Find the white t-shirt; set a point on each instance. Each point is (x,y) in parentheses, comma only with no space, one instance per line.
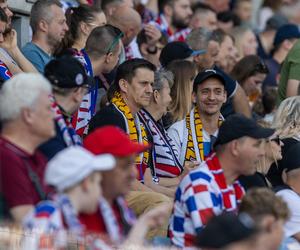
(292,226)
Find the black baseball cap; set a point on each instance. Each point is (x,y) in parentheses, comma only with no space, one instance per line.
(287,31)
(67,72)
(208,73)
(177,51)
(237,126)
(291,158)
(225,229)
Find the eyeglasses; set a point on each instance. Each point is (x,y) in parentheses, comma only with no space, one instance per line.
(118,35)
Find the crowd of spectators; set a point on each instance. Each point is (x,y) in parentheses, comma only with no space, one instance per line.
(151,124)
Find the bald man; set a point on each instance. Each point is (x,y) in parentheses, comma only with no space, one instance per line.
(129,22)
(109,6)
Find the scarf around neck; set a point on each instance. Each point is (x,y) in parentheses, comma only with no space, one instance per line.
(195,140)
(164,154)
(135,129)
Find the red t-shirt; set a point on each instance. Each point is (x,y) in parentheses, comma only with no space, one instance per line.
(95,223)
(15,183)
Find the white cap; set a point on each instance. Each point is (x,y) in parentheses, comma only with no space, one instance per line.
(74,164)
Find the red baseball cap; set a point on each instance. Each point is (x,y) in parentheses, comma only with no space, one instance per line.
(112,140)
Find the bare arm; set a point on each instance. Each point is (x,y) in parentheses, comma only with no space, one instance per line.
(19,212)
(174,182)
(170,192)
(137,186)
(10,45)
(292,88)
(240,102)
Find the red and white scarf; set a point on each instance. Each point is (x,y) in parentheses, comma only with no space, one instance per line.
(111,222)
(179,35)
(227,193)
(164,154)
(65,127)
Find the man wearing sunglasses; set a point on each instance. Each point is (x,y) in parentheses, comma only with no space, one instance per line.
(100,56)
(69,83)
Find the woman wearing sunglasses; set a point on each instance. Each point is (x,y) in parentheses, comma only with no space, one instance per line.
(272,155)
(287,122)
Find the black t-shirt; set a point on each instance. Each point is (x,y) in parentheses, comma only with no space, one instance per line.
(109,115)
(275,171)
(56,144)
(252,181)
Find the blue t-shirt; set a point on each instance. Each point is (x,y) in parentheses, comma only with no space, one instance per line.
(38,57)
(274,70)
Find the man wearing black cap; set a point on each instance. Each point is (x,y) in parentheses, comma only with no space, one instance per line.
(70,83)
(178,51)
(212,188)
(291,190)
(193,135)
(198,51)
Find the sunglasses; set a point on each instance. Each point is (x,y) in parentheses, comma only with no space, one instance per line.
(118,35)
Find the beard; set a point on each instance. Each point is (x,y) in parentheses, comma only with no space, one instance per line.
(179,23)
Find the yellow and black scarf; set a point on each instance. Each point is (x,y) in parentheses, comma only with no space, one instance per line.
(194,149)
(135,130)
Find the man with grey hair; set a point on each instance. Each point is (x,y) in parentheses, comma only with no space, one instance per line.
(48,23)
(164,170)
(200,39)
(27,121)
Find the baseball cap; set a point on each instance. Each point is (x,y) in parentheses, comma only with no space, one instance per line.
(73,164)
(67,72)
(112,140)
(237,126)
(229,228)
(208,73)
(287,31)
(291,158)
(276,21)
(176,51)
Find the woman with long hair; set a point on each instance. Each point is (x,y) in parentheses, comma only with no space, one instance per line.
(81,21)
(181,92)
(250,72)
(287,122)
(245,41)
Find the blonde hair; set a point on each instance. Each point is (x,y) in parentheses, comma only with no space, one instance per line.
(184,72)
(237,34)
(287,118)
(262,167)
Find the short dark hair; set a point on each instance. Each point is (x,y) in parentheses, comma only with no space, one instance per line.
(202,7)
(269,99)
(127,71)
(163,3)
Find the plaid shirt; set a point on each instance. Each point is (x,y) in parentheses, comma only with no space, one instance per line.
(200,195)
